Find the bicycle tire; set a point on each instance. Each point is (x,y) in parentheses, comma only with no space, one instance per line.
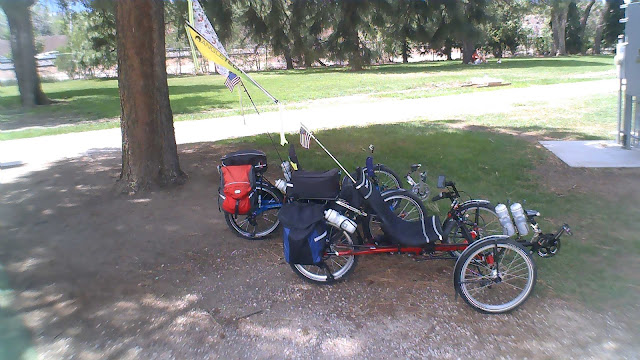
(481,218)
(411,212)
(386,178)
(339,240)
(478,276)
(245,229)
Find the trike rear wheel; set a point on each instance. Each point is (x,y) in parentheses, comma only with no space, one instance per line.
(339,266)
(495,275)
(261,222)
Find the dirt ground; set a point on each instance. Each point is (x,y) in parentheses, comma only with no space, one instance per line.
(161,276)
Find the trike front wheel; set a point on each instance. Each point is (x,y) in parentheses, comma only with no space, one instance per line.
(495,275)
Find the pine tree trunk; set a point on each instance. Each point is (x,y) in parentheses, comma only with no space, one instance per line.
(149,151)
(23,51)
(288,59)
(447,49)
(468,47)
(559,28)
(597,40)
(405,51)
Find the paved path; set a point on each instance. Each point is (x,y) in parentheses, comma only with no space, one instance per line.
(37,153)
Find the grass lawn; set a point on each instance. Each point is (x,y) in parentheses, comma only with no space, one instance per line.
(197,97)
(595,265)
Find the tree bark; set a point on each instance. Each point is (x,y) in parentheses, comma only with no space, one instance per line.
(468,47)
(405,51)
(288,59)
(149,151)
(583,24)
(559,27)
(597,40)
(23,51)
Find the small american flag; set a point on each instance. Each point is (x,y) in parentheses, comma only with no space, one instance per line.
(232,81)
(305,138)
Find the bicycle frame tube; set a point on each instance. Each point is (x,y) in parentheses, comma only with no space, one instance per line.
(400,249)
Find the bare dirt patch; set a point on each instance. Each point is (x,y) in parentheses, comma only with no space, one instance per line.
(160,276)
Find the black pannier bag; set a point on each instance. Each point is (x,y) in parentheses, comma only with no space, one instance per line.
(304,232)
(314,185)
(256,158)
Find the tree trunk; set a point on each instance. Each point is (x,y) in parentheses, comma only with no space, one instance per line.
(597,40)
(583,25)
(559,28)
(288,59)
(468,47)
(149,152)
(23,51)
(447,49)
(405,51)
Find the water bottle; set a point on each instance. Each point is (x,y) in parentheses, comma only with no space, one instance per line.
(340,221)
(505,219)
(281,185)
(286,170)
(519,218)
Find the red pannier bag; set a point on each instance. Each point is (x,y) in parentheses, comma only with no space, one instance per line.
(237,189)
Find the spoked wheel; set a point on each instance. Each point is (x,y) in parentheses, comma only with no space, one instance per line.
(339,266)
(261,222)
(495,276)
(481,220)
(386,178)
(404,204)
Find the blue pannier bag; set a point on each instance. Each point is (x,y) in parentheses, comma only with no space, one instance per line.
(304,233)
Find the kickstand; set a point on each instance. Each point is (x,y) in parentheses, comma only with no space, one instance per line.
(326,269)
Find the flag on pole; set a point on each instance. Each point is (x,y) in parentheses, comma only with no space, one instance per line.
(203,26)
(232,81)
(305,138)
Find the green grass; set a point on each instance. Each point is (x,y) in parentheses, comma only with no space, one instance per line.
(198,97)
(593,267)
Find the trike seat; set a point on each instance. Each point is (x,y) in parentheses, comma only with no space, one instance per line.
(407,233)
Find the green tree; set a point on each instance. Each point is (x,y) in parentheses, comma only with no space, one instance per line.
(92,40)
(504,28)
(573,30)
(352,22)
(408,23)
(4,27)
(308,20)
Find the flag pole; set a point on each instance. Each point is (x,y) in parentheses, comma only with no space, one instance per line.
(226,58)
(196,63)
(327,151)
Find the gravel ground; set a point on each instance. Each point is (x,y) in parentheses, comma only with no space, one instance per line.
(162,277)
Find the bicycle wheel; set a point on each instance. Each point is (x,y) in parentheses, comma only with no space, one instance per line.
(404,204)
(339,266)
(495,276)
(386,178)
(263,220)
(480,219)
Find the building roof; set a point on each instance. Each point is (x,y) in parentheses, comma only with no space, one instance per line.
(50,43)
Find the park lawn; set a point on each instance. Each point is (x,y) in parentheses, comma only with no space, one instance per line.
(594,266)
(198,97)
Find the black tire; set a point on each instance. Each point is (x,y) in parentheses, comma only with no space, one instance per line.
(495,275)
(260,223)
(480,218)
(340,266)
(386,178)
(405,204)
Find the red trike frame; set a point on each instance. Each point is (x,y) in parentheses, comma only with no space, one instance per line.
(373,249)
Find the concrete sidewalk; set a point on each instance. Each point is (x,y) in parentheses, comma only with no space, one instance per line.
(37,153)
